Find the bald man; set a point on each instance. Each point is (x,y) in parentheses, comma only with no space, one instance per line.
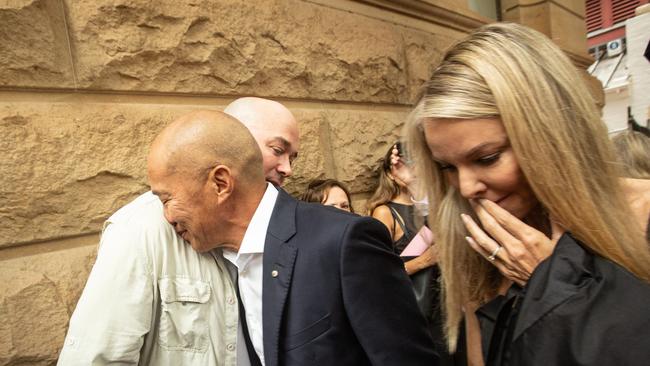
(152,239)
(307,274)
(152,299)
(276,131)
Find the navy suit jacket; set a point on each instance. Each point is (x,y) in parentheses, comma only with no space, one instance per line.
(334,293)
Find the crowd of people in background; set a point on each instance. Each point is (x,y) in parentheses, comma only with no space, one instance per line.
(533,247)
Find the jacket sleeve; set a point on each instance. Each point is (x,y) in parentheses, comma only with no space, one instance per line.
(114,312)
(379,299)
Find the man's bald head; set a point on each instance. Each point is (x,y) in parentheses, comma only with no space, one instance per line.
(202,139)
(276,131)
(207,170)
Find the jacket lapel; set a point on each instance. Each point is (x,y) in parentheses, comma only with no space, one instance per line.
(555,280)
(279,259)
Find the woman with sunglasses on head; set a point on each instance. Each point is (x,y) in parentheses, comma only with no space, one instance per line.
(530,216)
(392,204)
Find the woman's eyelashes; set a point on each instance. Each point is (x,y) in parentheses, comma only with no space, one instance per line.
(484,161)
(489,159)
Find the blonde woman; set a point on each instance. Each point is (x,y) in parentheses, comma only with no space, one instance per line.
(524,190)
(633,150)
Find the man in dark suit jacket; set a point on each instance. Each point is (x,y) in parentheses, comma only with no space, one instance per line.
(340,297)
(329,290)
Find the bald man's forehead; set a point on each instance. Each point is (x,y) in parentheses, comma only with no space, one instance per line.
(259,113)
(271,121)
(287,134)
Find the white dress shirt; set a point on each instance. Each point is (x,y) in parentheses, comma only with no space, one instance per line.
(249,263)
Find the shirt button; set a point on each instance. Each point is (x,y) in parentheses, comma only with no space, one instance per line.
(274,273)
(230,347)
(231,300)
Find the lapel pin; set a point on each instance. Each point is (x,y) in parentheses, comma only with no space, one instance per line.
(274,273)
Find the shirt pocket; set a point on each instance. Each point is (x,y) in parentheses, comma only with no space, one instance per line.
(184,314)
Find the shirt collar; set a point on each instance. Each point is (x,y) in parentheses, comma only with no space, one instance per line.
(255,235)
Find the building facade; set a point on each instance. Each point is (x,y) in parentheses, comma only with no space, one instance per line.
(86,85)
(618,34)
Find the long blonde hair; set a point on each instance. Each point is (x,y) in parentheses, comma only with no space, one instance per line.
(516,74)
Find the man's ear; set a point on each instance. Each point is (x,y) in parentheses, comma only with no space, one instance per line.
(221,182)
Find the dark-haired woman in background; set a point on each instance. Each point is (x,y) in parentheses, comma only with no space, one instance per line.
(329,192)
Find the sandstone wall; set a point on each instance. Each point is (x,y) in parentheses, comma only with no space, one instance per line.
(86,84)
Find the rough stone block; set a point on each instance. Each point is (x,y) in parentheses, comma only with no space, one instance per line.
(72,164)
(269,48)
(423,53)
(37,296)
(70,173)
(359,141)
(344,144)
(34,50)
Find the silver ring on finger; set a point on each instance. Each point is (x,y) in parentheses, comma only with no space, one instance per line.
(493,256)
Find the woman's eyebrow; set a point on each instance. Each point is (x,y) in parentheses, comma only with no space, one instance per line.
(476,150)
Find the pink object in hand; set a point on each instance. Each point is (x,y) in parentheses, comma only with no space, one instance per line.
(422,240)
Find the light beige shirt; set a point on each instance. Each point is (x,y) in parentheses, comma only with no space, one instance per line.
(151,299)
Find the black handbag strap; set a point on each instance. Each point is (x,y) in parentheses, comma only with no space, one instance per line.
(397,218)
